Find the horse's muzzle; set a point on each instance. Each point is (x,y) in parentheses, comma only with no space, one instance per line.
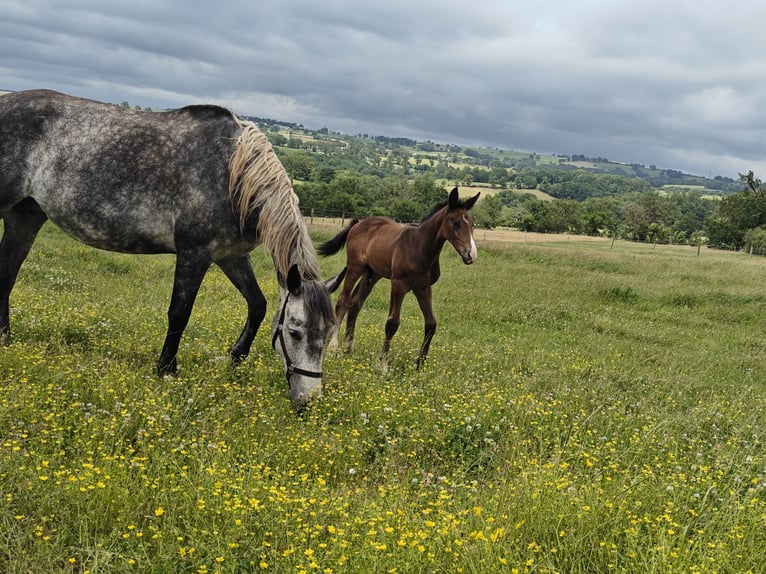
(471,254)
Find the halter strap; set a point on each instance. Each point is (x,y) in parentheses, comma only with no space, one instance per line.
(290,368)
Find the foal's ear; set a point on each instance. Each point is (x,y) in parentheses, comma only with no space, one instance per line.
(294,281)
(333,283)
(468,204)
(454,199)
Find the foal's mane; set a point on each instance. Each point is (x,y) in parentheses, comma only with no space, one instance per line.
(438,207)
(434,210)
(259,182)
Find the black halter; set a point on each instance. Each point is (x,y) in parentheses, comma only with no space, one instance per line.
(290,369)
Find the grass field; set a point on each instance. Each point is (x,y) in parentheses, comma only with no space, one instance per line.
(585,408)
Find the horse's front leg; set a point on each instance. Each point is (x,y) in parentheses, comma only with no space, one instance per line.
(21,225)
(239,270)
(398,291)
(424,301)
(190,270)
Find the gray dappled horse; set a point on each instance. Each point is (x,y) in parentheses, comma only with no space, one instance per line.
(198,182)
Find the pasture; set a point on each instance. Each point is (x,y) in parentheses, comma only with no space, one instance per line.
(584,408)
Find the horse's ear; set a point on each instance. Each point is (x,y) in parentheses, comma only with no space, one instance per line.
(470,202)
(294,281)
(334,283)
(454,199)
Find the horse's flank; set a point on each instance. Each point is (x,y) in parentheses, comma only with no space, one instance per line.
(258,183)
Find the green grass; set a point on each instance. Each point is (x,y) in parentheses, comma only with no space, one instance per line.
(584,409)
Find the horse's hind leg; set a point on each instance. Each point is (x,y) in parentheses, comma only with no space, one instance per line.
(190,270)
(21,225)
(341,306)
(398,291)
(240,272)
(358,297)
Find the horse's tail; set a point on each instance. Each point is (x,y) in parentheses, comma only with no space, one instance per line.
(336,243)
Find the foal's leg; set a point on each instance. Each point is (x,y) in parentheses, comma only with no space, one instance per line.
(190,270)
(424,301)
(21,225)
(341,307)
(398,291)
(240,273)
(358,297)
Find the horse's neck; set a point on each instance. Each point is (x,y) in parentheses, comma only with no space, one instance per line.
(430,238)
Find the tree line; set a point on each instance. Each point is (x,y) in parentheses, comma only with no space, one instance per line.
(354,177)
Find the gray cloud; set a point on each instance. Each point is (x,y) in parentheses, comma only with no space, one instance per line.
(674,83)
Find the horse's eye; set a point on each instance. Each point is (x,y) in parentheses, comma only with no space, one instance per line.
(456,223)
(296,335)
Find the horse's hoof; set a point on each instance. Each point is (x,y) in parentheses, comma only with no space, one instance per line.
(169,372)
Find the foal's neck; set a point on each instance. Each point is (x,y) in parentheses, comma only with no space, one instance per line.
(429,232)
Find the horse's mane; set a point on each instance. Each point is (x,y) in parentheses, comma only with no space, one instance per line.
(434,210)
(259,182)
(438,207)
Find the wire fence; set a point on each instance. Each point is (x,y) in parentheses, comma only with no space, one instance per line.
(339,219)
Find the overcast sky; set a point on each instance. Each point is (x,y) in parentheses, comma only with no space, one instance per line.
(678,84)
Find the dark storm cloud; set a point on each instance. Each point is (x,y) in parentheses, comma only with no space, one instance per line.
(676,84)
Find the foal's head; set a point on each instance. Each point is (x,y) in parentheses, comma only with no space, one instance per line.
(457,226)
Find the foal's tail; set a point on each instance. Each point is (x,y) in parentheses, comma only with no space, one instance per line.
(336,243)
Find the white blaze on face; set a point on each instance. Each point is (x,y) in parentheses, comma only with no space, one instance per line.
(301,352)
(474,251)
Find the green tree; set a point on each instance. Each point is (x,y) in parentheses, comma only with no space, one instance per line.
(426,192)
(599,216)
(404,210)
(486,212)
(738,213)
(300,165)
(755,239)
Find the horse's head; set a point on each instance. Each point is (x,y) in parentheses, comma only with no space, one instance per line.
(457,226)
(300,329)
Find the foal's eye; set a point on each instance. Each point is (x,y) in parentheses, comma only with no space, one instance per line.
(456,223)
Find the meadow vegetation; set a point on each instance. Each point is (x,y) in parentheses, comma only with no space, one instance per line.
(586,407)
